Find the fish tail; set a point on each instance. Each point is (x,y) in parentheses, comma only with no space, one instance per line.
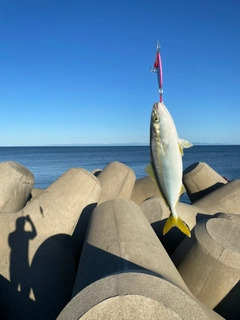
(176,222)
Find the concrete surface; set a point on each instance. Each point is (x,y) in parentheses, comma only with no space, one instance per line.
(209,263)
(39,244)
(121,270)
(16,183)
(120,238)
(199,180)
(225,199)
(117,181)
(35,193)
(136,296)
(157,212)
(235,218)
(144,188)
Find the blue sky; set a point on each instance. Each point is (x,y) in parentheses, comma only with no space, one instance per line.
(78,71)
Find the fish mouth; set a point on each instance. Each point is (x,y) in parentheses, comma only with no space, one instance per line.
(156,109)
(158,106)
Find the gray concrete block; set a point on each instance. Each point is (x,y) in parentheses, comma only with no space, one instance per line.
(16,183)
(120,238)
(96,172)
(35,193)
(225,199)
(39,244)
(199,180)
(209,263)
(155,209)
(117,181)
(157,212)
(144,188)
(133,295)
(235,218)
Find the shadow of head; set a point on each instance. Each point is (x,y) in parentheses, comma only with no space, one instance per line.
(20,223)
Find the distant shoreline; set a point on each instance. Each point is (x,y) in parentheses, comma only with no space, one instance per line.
(115,145)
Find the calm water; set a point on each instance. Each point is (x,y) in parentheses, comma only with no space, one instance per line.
(49,163)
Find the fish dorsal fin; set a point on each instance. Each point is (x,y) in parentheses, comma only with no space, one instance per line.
(183,144)
(149,170)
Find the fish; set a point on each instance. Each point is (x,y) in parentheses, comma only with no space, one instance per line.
(165,166)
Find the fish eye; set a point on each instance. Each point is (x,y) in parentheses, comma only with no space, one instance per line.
(156,119)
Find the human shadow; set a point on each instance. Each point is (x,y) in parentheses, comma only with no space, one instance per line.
(53,274)
(19,269)
(13,305)
(40,289)
(54,267)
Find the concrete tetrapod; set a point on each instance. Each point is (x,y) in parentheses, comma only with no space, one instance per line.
(119,240)
(209,263)
(157,212)
(16,183)
(39,245)
(135,296)
(35,192)
(117,181)
(199,180)
(225,199)
(235,218)
(144,188)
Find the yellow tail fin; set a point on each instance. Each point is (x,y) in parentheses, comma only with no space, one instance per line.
(176,222)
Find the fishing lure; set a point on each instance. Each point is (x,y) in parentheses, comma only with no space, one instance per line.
(157,68)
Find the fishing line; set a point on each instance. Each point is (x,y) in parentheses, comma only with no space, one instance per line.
(157,19)
(158,60)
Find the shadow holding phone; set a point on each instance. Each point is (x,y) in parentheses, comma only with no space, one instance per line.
(18,241)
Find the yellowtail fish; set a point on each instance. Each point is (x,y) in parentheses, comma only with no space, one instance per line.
(166,167)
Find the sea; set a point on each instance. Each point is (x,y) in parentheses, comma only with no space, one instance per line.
(49,163)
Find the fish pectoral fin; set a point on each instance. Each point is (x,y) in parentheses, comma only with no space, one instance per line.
(182,190)
(149,170)
(183,144)
(181,149)
(176,222)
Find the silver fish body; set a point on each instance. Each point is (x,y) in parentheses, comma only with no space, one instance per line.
(166,162)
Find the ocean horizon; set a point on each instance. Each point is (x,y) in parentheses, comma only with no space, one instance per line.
(48,163)
(115,144)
